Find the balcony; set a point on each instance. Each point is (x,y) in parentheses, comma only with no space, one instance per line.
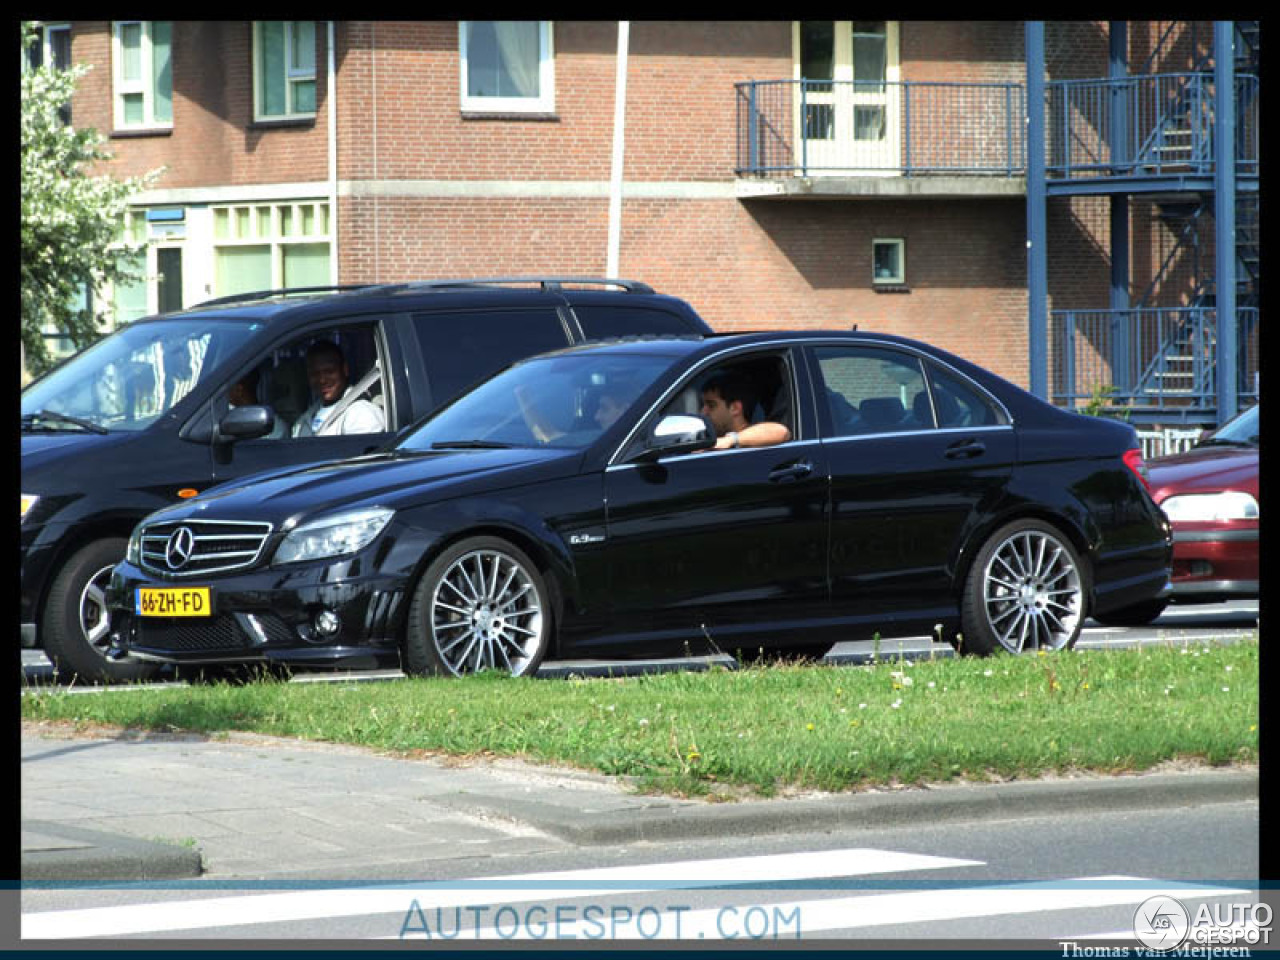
(1143,133)
(1156,364)
(970,135)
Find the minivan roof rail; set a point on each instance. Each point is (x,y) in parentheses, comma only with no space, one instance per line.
(551,283)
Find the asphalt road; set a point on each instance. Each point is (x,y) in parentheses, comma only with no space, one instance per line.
(1219,621)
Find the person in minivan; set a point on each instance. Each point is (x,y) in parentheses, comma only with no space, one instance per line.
(244,392)
(333,412)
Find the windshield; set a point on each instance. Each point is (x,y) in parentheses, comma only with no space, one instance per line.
(1243,429)
(133,377)
(562,401)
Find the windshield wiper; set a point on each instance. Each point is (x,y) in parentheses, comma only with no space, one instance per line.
(470,445)
(52,416)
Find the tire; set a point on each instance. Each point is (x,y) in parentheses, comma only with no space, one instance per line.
(1138,615)
(1027,590)
(805,653)
(482,604)
(76,626)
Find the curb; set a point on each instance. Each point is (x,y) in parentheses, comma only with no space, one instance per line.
(898,808)
(61,852)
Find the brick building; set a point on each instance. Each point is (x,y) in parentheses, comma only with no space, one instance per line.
(795,174)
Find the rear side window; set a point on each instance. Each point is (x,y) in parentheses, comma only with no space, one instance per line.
(460,349)
(958,403)
(624,320)
(869,390)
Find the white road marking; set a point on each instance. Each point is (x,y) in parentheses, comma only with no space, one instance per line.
(519,888)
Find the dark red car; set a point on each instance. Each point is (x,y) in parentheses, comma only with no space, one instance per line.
(1210,495)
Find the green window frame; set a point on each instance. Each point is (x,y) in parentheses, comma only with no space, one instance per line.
(284,69)
(142,74)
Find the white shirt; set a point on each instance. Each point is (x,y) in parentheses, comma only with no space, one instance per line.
(360,417)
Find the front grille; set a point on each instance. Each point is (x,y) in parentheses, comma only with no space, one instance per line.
(207,546)
(217,635)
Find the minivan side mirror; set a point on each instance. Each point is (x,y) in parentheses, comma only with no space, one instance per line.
(246,423)
(678,433)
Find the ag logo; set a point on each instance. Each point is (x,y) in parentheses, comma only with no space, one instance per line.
(178,550)
(1161,923)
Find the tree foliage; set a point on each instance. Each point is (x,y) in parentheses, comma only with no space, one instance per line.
(72,220)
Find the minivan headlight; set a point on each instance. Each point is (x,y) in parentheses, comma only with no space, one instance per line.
(333,535)
(1204,507)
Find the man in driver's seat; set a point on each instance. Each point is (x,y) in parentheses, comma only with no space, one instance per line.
(329,376)
(727,398)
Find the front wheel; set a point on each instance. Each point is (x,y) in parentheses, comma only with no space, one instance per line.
(76,625)
(1026,590)
(480,605)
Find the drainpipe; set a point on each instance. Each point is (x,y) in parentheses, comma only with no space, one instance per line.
(619,128)
(332,106)
(1224,214)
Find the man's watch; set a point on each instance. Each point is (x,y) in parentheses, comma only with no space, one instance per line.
(732,437)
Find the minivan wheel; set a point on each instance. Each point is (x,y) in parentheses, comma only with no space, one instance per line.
(76,625)
(1026,590)
(480,605)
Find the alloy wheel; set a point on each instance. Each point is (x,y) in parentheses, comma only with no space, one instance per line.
(486,614)
(1033,593)
(95,618)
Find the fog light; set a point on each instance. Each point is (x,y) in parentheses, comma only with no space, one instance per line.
(327,623)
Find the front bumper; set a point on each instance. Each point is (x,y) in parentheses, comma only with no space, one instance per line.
(268,615)
(1212,564)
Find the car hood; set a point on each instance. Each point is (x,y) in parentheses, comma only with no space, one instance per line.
(41,451)
(1205,470)
(395,479)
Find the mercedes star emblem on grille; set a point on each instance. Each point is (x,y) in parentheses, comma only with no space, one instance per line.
(178,550)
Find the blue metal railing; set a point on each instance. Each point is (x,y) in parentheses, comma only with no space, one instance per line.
(1171,360)
(1168,126)
(802,127)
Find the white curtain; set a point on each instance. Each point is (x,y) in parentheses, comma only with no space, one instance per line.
(518,45)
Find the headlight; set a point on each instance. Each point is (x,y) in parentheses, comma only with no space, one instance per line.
(29,500)
(334,535)
(133,552)
(1201,507)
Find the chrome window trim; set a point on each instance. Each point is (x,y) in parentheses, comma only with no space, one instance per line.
(709,453)
(927,431)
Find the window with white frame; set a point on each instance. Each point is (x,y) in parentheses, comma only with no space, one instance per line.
(52,48)
(269,246)
(284,69)
(507,66)
(142,58)
(888,261)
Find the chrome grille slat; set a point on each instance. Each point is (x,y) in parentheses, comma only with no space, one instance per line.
(218,546)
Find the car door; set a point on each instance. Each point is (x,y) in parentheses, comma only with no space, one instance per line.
(722,547)
(283,385)
(918,453)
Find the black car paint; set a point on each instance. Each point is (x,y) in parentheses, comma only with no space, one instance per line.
(93,486)
(701,552)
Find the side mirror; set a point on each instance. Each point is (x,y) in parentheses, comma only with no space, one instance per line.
(679,433)
(246,423)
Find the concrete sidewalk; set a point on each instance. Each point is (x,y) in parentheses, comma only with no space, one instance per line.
(159,807)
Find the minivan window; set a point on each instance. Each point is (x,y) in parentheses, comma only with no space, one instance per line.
(135,376)
(460,349)
(603,323)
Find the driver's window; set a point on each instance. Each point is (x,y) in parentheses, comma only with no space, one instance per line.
(324,384)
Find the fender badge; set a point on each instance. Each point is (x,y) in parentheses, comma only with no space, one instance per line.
(578,539)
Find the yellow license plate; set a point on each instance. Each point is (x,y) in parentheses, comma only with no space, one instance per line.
(174,602)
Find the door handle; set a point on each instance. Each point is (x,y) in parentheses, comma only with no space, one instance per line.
(965,450)
(790,472)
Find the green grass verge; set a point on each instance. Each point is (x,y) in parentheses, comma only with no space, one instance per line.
(763,730)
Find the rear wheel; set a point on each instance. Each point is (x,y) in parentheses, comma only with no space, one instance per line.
(76,625)
(1025,591)
(481,605)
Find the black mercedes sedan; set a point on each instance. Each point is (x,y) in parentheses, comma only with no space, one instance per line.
(765,494)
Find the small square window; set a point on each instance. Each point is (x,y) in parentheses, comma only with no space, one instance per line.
(888,261)
(507,66)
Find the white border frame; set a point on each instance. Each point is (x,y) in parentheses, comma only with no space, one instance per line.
(545,102)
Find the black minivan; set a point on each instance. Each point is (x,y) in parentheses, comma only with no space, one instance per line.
(169,406)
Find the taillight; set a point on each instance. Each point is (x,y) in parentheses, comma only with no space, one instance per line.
(1133,460)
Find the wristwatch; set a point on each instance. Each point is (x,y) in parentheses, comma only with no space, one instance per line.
(732,437)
